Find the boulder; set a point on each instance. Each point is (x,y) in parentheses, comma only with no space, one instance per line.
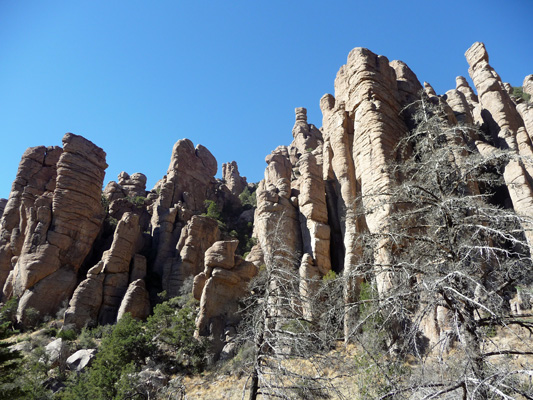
(56,353)
(80,359)
(221,254)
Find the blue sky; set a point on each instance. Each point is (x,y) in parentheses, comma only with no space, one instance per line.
(136,76)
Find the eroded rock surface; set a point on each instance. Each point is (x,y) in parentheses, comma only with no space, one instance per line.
(99,296)
(506,128)
(52,219)
(320,196)
(3,203)
(224,280)
(183,191)
(136,301)
(234,181)
(196,237)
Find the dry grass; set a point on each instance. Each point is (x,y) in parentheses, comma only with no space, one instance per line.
(353,374)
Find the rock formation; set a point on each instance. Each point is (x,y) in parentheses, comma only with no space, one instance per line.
(136,301)
(337,180)
(233,180)
(51,221)
(128,186)
(100,295)
(506,128)
(223,281)
(116,266)
(196,237)
(80,359)
(86,301)
(183,191)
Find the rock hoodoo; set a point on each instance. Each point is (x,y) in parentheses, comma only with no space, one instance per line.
(223,281)
(51,221)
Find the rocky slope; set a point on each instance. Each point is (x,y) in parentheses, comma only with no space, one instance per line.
(106,253)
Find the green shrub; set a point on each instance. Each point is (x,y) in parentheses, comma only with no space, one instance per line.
(138,201)
(248,198)
(331,275)
(518,92)
(174,328)
(32,317)
(120,354)
(86,339)
(8,315)
(67,334)
(211,210)
(10,368)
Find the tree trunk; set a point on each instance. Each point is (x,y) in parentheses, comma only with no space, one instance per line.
(255,385)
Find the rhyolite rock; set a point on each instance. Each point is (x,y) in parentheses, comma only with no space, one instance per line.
(507,130)
(224,280)
(136,301)
(183,191)
(133,186)
(99,297)
(86,301)
(196,237)
(116,266)
(56,353)
(233,180)
(35,181)
(51,221)
(320,196)
(527,85)
(80,359)
(3,203)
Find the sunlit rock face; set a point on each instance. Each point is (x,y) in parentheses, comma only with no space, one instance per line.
(232,178)
(219,286)
(51,221)
(506,127)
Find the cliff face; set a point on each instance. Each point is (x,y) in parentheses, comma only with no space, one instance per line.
(319,195)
